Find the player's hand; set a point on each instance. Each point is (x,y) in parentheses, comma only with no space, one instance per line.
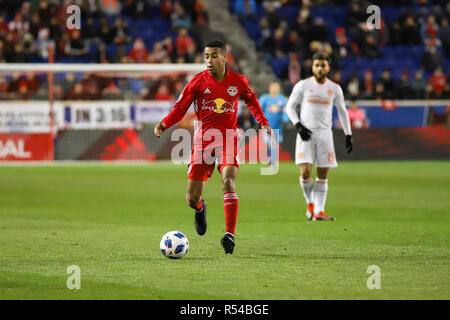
(159,128)
(348,143)
(303,131)
(269,131)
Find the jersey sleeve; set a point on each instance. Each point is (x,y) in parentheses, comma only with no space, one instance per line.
(294,99)
(339,102)
(182,105)
(251,101)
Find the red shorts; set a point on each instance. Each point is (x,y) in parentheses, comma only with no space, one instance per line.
(201,169)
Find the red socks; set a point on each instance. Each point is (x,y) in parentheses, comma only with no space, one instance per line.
(198,207)
(230,206)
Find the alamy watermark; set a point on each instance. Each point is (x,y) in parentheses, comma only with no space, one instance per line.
(214,146)
(74,280)
(374,20)
(374,280)
(73,21)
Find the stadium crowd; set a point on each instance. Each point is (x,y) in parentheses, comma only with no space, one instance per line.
(284,28)
(169,31)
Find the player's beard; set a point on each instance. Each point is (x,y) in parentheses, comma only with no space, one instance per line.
(320,77)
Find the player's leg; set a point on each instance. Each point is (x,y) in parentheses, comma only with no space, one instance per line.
(325,160)
(304,152)
(195,201)
(230,205)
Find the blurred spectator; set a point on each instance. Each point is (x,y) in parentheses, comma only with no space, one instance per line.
(306,69)
(368,85)
(42,43)
(318,31)
(371,49)
(301,26)
(438,80)
(352,87)
(410,33)
(90,29)
(294,43)
(273,18)
(418,86)
(430,31)
(44,13)
(120,32)
(231,61)
(138,9)
(77,44)
(293,71)
(111,92)
(104,31)
(444,35)
(431,58)
(341,42)
(101,55)
(182,42)
(245,8)
(277,44)
(395,33)
(389,85)
(357,116)
(404,87)
(139,52)
(200,14)
(379,91)
(158,52)
(246,120)
(266,32)
(110,7)
(18,25)
(163,93)
(430,93)
(179,17)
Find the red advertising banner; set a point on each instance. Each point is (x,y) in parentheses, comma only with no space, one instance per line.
(25,146)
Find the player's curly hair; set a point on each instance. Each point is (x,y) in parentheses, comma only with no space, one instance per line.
(322,56)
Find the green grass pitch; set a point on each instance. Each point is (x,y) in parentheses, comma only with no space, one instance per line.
(108,220)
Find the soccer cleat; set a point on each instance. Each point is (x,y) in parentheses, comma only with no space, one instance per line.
(321,216)
(227,243)
(310,211)
(200,219)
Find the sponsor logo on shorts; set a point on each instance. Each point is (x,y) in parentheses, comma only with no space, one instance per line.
(331,157)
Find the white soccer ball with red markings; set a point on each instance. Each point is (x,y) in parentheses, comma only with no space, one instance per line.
(174,245)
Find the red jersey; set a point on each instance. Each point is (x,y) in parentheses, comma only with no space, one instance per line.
(215,103)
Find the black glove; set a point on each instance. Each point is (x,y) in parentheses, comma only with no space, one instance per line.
(303,131)
(348,143)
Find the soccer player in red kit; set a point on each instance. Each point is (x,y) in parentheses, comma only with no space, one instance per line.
(215,93)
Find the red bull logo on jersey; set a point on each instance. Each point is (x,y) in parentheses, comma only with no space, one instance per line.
(218,105)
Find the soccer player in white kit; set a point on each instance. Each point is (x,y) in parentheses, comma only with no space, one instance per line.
(316,96)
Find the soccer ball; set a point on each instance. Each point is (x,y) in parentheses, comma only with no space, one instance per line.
(174,245)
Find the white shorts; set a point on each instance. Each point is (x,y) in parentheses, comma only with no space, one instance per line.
(318,150)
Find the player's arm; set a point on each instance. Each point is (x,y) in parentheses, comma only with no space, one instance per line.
(253,105)
(339,102)
(294,99)
(179,110)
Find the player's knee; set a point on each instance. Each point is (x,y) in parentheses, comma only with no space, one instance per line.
(228,185)
(192,200)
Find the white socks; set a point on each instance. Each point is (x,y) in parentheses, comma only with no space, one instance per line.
(307,187)
(320,195)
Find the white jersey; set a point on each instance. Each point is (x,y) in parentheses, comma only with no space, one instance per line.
(316,105)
